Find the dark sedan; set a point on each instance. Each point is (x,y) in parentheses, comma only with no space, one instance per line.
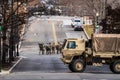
(78,28)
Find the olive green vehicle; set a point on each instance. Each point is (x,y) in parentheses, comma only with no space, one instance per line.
(99,50)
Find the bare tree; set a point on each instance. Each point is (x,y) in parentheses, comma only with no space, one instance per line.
(86,7)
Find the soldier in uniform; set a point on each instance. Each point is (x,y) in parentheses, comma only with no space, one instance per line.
(41,48)
(58,48)
(53,48)
(48,50)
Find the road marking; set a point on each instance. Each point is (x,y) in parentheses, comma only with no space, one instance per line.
(54,34)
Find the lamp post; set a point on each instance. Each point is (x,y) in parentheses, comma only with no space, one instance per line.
(97,15)
(97,26)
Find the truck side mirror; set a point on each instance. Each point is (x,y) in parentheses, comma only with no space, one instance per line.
(76,45)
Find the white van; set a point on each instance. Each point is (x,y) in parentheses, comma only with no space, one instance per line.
(76,22)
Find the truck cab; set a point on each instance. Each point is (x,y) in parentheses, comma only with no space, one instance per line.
(72,47)
(72,50)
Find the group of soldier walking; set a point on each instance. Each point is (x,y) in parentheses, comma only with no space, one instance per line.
(49,48)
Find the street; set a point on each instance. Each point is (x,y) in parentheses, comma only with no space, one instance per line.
(40,31)
(49,67)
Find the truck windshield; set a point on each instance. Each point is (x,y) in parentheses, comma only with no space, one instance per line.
(64,43)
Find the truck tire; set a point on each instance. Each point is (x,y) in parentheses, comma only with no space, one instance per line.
(70,67)
(78,65)
(116,67)
(111,67)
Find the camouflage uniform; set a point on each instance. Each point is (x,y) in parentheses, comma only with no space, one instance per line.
(53,48)
(48,49)
(60,48)
(57,48)
(41,48)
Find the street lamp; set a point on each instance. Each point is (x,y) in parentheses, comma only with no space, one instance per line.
(97,15)
(97,26)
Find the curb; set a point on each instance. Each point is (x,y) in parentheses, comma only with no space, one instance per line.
(86,34)
(10,70)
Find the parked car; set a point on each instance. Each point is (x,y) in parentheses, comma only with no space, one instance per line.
(78,28)
(75,22)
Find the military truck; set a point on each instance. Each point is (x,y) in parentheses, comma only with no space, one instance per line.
(99,50)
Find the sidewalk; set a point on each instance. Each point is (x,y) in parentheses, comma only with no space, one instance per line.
(86,34)
(8,68)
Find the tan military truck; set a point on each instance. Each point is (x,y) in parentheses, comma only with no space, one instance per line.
(99,50)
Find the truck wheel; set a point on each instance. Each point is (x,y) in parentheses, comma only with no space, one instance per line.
(78,65)
(116,67)
(111,67)
(70,67)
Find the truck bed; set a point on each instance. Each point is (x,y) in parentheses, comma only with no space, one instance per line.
(106,43)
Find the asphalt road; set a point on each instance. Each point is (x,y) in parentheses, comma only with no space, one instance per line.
(49,67)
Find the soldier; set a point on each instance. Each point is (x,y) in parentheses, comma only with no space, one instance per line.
(53,48)
(41,48)
(58,48)
(48,50)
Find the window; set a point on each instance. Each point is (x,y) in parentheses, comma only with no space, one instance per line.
(77,20)
(71,44)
